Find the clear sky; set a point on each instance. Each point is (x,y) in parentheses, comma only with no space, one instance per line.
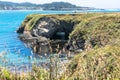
(87,3)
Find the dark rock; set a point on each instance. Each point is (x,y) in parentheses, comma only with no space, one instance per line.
(75,44)
(50,34)
(20,30)
(45,27)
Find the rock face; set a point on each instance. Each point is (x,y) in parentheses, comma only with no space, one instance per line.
(48,33)
(45,27)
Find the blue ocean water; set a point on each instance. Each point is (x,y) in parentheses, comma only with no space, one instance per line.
(9,42)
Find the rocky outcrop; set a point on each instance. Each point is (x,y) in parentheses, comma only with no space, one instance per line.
(47,33)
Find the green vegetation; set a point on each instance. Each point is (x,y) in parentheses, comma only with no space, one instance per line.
(37,73)
(32,19)
(99,30)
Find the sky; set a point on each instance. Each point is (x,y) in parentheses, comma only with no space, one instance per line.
(86,3)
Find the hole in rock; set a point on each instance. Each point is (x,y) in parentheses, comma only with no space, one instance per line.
(62,33)
(60,36)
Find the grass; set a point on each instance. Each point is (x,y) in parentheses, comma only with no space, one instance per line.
(36,74)
(99,30)
(96,64)
(51,72)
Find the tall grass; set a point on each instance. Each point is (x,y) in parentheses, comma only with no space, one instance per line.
(52,69)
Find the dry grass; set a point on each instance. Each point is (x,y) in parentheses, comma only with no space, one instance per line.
(96,64)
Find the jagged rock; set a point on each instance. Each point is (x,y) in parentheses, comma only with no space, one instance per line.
(44,31)
(75,44)
(45,27)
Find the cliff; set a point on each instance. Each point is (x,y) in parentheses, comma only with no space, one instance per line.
(79,31)
(47,31)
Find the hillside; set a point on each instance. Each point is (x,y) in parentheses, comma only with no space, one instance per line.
(101,63)
(63,6)
(17,6)
(30,6)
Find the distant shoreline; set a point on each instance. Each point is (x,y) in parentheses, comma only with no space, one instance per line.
(70,11)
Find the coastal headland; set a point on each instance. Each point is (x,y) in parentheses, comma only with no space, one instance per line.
(71,32)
